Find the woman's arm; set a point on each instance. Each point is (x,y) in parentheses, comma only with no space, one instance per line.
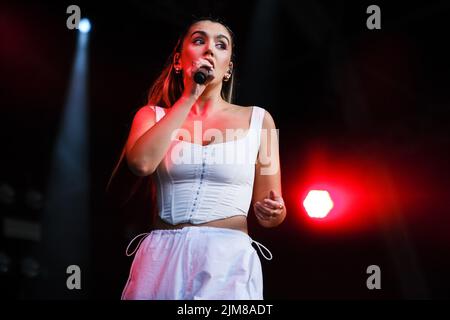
(149,140)
(267,200)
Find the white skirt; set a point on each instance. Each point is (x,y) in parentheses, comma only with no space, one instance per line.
(195,263)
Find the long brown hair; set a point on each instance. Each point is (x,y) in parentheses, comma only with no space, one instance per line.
(168,88)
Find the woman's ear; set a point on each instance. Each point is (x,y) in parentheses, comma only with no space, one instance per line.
(176,60)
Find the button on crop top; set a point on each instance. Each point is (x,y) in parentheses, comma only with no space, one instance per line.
(196,184)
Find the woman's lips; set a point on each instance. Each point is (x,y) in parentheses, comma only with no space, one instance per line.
(210,61)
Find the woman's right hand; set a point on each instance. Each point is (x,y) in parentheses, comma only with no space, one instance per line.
(191,88)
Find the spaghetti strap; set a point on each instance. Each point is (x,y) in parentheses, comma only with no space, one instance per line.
(160,112)
(260,247)
(143,235)
(256,123)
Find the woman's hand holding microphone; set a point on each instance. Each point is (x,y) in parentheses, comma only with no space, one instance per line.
(197,77)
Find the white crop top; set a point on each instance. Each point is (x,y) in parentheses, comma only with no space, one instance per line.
(197,184)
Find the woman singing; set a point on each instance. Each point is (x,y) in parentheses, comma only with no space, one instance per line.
(210,160)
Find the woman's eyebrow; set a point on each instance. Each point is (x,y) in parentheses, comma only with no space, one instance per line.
(219,36)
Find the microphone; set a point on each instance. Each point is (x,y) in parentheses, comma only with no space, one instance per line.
(201,75)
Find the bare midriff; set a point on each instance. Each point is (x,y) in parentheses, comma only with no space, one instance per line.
(234,222)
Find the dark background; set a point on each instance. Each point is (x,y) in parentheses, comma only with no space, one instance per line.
(364,109)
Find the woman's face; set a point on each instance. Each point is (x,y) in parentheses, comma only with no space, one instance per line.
(211,41)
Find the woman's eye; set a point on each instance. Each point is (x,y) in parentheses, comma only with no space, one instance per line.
(200,41)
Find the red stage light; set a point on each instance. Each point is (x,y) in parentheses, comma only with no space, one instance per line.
(318,203)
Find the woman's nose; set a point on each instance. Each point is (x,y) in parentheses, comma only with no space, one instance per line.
(209,48)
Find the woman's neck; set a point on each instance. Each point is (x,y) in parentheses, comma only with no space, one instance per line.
(209,102)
